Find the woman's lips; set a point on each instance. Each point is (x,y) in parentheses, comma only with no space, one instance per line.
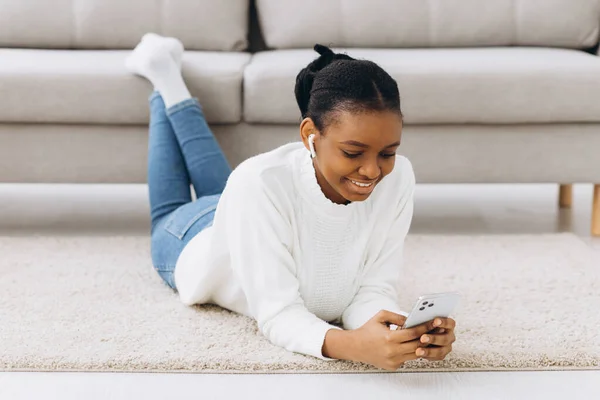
(360,189)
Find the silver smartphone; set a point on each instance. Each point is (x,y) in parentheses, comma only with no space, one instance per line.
(429,306)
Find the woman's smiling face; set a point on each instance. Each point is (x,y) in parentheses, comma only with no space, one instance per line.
(359,147)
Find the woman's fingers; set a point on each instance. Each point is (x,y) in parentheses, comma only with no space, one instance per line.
(446,323)
(409,347)
(405,335)
(441,339)
(385,316)
(434,353)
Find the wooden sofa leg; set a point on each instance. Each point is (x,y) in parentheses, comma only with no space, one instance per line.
(565,196)
(596,211)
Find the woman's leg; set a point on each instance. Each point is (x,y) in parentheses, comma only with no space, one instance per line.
(168,189)
(168,179)
(206,164)
(175,218)
(156,59)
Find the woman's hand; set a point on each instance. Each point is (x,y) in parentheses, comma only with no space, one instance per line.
(438,343)
(388,349)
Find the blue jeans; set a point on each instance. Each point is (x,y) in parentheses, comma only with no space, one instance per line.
(181,150)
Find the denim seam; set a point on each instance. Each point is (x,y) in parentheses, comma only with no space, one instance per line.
(166,280)
(160,268)
(189,224)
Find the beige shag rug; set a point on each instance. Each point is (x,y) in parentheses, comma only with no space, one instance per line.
(96,304)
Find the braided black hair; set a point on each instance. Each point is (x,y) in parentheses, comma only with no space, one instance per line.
(337,82)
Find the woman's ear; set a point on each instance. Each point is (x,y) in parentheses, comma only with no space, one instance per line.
(307,127)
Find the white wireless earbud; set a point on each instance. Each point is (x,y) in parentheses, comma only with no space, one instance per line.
(311,144)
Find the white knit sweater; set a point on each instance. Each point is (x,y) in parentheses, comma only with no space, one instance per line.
(282,253)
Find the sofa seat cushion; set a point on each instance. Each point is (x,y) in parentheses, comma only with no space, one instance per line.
(448,86)
(93,87)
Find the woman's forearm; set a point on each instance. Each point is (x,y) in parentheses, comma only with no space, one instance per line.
(340,344)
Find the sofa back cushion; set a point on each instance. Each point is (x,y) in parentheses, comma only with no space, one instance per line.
(431,23)
(119,24)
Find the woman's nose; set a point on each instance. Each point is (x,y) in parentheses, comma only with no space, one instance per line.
(370,171)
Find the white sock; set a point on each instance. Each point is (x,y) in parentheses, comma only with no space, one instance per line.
(158,59)
(173,44)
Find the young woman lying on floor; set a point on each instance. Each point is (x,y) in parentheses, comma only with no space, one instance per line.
(302,237)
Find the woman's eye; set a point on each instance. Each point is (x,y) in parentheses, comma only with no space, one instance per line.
(351,155)
(354,155)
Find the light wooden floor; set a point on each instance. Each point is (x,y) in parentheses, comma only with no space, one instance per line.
(448,209)
(423,386)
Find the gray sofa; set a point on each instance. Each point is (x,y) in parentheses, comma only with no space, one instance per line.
(503,91)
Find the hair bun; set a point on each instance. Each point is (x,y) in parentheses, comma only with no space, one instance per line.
(323,50)
(327,56)
(306,77)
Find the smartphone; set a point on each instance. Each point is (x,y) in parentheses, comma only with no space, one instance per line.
(429,306)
